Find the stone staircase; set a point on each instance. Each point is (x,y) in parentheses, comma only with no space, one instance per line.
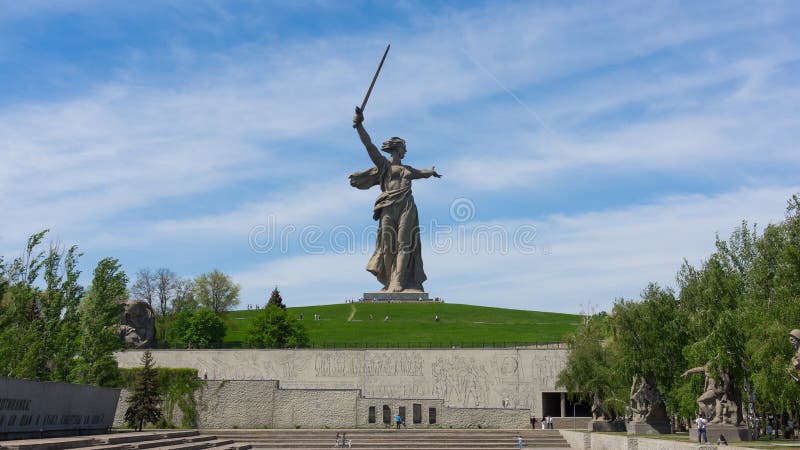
(172,440)
(392,439)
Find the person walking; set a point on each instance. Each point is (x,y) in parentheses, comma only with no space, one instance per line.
(701,429)
(398,419)
(519,440)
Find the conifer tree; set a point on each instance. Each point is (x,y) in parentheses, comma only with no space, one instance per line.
(144,403)
(275,299)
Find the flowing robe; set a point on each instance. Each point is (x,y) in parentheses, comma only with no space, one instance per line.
(398,254)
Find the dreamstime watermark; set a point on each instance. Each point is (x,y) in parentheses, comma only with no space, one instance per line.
(460,235)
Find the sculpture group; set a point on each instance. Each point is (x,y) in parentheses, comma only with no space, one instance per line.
(720,402)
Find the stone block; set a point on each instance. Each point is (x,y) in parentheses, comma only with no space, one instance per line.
(606,426)
(639,428)
(731,433)
(31,408)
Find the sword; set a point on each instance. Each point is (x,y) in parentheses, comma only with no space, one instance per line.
(371,85)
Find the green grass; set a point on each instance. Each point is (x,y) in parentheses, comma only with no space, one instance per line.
(412,324)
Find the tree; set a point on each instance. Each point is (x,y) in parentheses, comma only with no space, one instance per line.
(588,373)
(144,288)
(39,297)
(22,331)
(99,322)
(202,328)
(165,289)
(184,295)
(275,299)
(273,328)
(217,291)
(649,337)
(60,310)
(144,402)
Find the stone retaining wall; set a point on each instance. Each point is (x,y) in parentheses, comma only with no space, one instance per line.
(487,418)
(463,378)
(264,404)
(606,441)
(315,408)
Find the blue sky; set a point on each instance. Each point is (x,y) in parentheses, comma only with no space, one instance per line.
(620,137)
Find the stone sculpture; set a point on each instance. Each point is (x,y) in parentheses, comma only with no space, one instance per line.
(646,402)
(794,338)
(604,419)
(598,410)
(397,260)
(138,325)
(720,402)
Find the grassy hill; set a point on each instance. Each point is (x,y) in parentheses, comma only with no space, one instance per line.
(413,325)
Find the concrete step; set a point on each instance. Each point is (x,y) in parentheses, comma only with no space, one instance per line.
(407,446)
(114,441)
(199,445)
(50,443)
(165,442)
(553,447)
(364,439)
(109,447)
(444,434)
(136,436)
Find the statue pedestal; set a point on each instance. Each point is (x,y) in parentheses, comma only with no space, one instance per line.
(396,297)
(606,425)
(648,427)
(731,433)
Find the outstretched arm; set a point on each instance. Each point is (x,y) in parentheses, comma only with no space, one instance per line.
(424,173)
(372,150)
(700,369)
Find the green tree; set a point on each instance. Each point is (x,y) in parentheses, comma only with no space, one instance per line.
(59,311)
(588,374)
(649,338)
(99,321)
(273,328)
(217,291)
(144,402)
(39,296)
(275,299)
(178,325)
(203,328)
(21,326)
(184,295)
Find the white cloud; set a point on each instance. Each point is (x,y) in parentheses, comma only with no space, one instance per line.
(581,258)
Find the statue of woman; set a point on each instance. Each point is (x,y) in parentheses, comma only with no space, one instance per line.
(397,260)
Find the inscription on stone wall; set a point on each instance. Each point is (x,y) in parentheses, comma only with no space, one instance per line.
(375,365)
(27,405)
(15,404)
(398,391)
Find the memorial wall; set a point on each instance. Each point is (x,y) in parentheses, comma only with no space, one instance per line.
(463,378)
(33,408)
